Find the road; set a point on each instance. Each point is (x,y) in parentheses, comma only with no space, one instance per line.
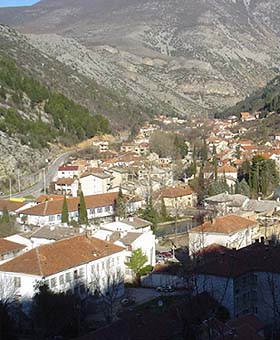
(36,189)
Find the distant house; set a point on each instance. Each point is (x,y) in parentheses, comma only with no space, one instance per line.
(76,264)
(68,171)
(232,231)
(67,186)
(103,146)
(9,250)
(95,183)
(11,206)
(224,204)
(177,197)
(101,207)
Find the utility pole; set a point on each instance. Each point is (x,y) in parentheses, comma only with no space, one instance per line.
(10,182)
(44,180)
(18,180)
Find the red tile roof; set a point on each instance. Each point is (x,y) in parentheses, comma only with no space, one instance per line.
(61,255)
(7,246)
(254,258)
(10,205)
(68,168)
(178,191)
(225,225)
(67,181)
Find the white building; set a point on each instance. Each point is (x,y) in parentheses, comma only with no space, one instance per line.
(78,264)
(245,281)
(231,231)
(9,250)
(132,237)
(68,171)
(67,186)
(101,207)
(95,183)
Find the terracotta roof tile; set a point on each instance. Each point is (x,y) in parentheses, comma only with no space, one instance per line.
(61,255)
(67,181)
(178,191)
(10,205)
(225,225)
(7,246)
(68,168)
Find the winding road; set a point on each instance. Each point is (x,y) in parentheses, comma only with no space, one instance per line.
(51,170)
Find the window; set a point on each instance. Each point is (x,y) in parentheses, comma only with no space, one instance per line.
(103,265)
(61,279)
(47,283)
(99,210)
(97,267)
(17,282)
(81,272)
(91,211)
(68,277)
(51,218)
(53,282)
(107,209)
(75,274)
(58,217)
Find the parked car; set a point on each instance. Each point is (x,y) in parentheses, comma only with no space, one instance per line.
(165,289)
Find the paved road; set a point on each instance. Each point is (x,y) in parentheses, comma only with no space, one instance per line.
(36,189)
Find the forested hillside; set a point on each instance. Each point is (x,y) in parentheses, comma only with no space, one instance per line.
(266,99)
(38,115)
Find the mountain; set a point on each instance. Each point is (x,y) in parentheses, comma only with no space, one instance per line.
(181,56)
(266,99)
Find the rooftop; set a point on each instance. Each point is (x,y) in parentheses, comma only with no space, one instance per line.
(9,246)
(61,255)
(224,225)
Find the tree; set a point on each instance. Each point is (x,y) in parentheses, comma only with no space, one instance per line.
(137,262)
(120,205)
(55,314)
(65,214)
(150,214)
(5,218)
(163,210)
(82,210)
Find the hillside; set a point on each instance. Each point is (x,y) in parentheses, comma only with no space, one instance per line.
(35,119)
(266,99)
(182,56)
(67,80)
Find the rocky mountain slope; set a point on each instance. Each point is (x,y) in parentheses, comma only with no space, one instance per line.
(183,56)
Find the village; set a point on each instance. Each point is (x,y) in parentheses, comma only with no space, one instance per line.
(186,208)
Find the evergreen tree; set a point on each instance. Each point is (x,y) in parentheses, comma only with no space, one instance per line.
(82,210)
(120,206)
(5,216)
(65,213)
(163,210)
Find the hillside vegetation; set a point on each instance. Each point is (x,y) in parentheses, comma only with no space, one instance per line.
(266,99)
(38,115)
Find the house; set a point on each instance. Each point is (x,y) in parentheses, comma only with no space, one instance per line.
(177,197)
(229,173)
(11,206)
(78,264)
(100,207)
(52,233)
(245,281)
(68,171)
(95,183)
(102,146)
(9,250)
(232,231)
(224,203)
(129,238)
(67,186)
